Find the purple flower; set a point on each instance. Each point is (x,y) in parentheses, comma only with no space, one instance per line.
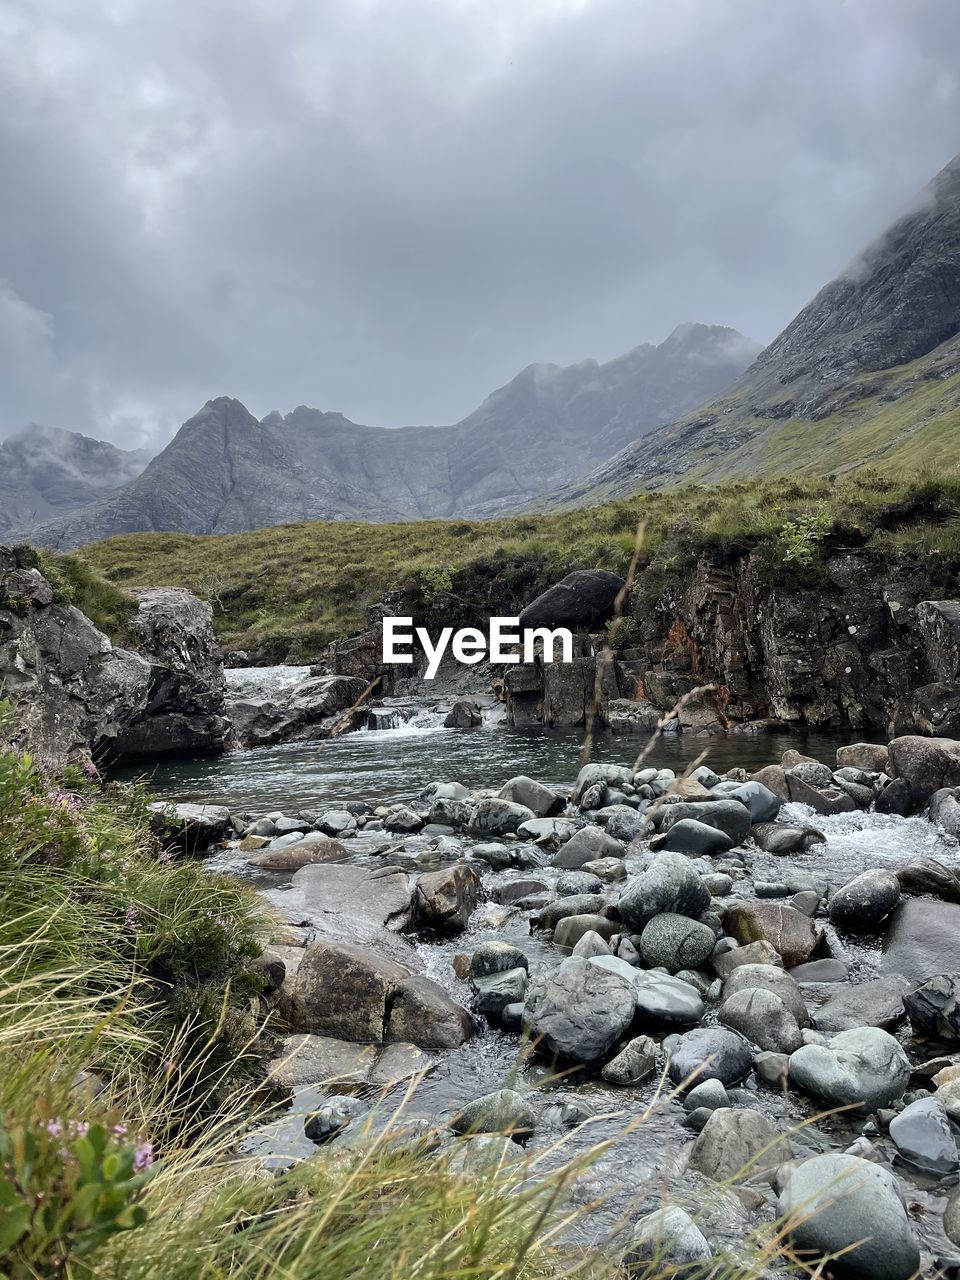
(143,1158)
(90,770)
(131,919)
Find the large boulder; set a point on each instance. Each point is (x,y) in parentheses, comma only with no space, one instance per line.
(496,817)
(923,939)
(877,1003)
(738,1146)
(728,815)
(579,1010)
(842,1205)
(420,1012)
(190,828)
(865,1068)
(669,883)
(792,934)
(945,810)
(862,903)
(446,899)
(923,1137)
(587,845)
(763,1018)
(926,764)
(582,601)
(343,991)
(533,795)
(307,709)
(675,942)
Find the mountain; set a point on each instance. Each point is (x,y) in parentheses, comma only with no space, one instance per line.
(45,471)
(867,373)
(225,472)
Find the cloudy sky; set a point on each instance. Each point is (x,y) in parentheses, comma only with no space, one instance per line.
(388,207)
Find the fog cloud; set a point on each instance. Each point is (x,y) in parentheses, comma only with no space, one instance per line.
(388,207)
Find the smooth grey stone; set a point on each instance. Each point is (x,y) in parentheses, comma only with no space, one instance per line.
(924,1138)
(878,1003)
(710,1053)
(668,1237)
(865,1067)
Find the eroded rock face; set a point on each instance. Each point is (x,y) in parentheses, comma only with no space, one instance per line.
(77,694)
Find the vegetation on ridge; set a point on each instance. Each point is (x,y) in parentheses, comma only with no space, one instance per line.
(284,592)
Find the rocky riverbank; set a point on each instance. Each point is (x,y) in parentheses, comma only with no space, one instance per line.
(685,947)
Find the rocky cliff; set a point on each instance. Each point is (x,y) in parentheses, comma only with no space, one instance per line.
(76,694)
(225,472)
(868,372)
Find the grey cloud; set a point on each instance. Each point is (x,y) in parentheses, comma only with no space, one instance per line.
(389,207)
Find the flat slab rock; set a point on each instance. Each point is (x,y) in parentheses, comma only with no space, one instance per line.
(341,902)
(923,939)
(878,1003)
(311,1060)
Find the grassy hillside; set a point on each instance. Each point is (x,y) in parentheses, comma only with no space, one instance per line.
(285,592)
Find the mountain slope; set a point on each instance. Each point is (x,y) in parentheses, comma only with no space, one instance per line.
(45,471)
(868,372)
(225,472)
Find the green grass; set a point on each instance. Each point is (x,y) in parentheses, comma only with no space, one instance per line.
(285,592)
(76,581)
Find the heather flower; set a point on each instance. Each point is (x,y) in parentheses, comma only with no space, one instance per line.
(131,918)
(143,1157)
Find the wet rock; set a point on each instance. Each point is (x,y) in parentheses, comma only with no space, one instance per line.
(592,774)
(574,882)
(719,884)
(668,884)
(895,797)
(310,1059)
(864,755)
(820,971)
(866,1067)
(945,810)
(609,870)
(738,1146)
(773,1069)
(624,823)
(922,940)
(447,811)
(495,817)
(577,904)
(495,956)
(710,1053)
(190,828)
(791,934)
(927,764)
(333,1117)
(582,601)
(836,1201)
(923,1137)
(314,847)
(709,1095)
(928,875)
(350,903)
(503,1111)
(934,1007)
(580,1010)
(530,895)
(763,1018)
(675,942)
(402,820)
(662,999)
(733,957)
(445,899)
(572,929)
(532,795)
(690,836)
(951,1217)
(812,772)
(728,816)
(421,1012)
(464,714)
(587,845)
(591,944)
(549,832)
(878,1003)
(668,1237)
(633,1064)
(493,992)
(761,803)
(343,991)
(337,822)
(865,901)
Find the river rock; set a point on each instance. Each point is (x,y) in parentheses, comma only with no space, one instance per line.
(733,957)
(877,1003)
(343,991)
(190,828)
(792,934)
(576,904)
(923,1137)
(668,1237)
(820,971)
(934,1007)
(496,817)
(922,939)
(690,836)
(761,803)
(572,929)
(573,882)
(332,1117)
(710,1053)
(670,884)
(402,820)
(763,1018)
(587,845)
(421,1012)
(945,810)
(445,899)
(624,823)
(591,944)
(661,999)
(549,832)
(862,903)
(314,847)
(450,811)
(582,601)
(927,764)
(534,796)
(871,757)
(504,1111)
(580,1010)
(675,942)
(494,991)
(464,714)
(494,956)
(345,902)
(633,1064)
(728,816)
(866,1067)
(834,1202)
(928,875)
(782,839)
(767,977)
(738,1146)
(310,1060)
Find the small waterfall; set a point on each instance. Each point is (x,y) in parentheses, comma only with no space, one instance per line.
(405,717)
(263,682)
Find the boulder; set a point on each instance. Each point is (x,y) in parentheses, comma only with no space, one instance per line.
(445,899)
(766,977)
(591,775)
(495,817)
(421,1012)
(343,991)
(190,828)
(922,939)
(877,1003)
(945,810)
(495,956)
(710,1053)
(865,1067)
(623,823)
(738,1146)
(494,991)
(927,875)
(571,929)
(762,952)
(690,836)
(864,755)
(669,883)
(792,934)
(781,839)
(729,816)
(582,601)
(840,1204)
(636,1062)
(587,845)
(533,796)
(314,847)
(763,1018)
(669,1237)
(926,764)
(464,714)
(862,903)
(923,1137)
(934,1007)
(504,1111)
(580,1010)
(675,942)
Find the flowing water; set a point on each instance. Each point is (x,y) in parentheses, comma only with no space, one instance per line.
(384,765)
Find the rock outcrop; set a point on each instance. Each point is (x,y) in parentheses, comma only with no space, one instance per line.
(77,694)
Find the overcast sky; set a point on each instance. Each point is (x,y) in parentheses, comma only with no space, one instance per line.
(389,207)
